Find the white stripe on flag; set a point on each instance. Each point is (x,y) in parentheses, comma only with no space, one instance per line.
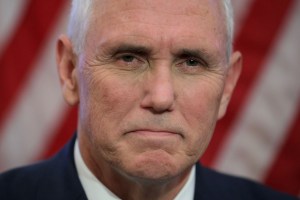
(38,111)
(241,9)
(260,131)
(10,14)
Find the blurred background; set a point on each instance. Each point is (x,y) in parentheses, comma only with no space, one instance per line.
(259,138)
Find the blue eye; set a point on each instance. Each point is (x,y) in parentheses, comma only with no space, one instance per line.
(192,62)
(127,58)
(130,62)
(191,65)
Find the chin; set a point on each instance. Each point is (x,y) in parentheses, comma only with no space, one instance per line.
(154,166)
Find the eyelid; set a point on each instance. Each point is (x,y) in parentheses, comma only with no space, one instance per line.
(200,55)
(130,49)
(201,61)
(120,55)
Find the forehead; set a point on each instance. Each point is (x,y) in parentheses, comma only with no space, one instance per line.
(174,5)
(189,7)
(171,21)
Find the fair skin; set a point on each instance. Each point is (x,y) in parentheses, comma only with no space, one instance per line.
(151,82)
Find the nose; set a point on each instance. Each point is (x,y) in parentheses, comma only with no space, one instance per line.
(159,95)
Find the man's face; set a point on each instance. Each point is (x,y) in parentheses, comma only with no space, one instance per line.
(151,80)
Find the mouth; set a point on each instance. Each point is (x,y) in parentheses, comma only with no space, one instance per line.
(155,133)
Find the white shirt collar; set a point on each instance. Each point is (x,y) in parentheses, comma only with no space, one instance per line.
(94,189)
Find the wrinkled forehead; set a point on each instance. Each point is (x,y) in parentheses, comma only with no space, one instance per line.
(175,6)
(204,9)
(134,16)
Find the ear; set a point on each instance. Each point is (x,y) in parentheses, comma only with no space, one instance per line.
(67,70)
(233,74)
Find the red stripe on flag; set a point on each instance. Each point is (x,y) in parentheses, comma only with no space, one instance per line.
(62,134)
(255,41)
(285,172)
(24,48)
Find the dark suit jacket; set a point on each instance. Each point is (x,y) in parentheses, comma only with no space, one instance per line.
(57,179)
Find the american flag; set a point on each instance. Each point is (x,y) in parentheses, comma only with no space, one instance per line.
(259,138)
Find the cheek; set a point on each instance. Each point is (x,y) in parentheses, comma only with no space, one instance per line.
(200,106)
(200,109)
(107,102)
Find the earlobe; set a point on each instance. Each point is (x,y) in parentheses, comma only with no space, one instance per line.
(233,74)
(67,70)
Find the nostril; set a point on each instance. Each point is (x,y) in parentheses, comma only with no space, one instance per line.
(162,106)
(159,111)
(158,102)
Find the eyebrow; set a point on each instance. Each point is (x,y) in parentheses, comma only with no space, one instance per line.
(131,48)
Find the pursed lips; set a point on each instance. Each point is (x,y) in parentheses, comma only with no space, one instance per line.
(155,132)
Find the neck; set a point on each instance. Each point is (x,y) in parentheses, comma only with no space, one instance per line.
(136,188)
(128,187)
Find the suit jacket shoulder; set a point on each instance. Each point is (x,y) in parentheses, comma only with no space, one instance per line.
(211,185)
(53,179)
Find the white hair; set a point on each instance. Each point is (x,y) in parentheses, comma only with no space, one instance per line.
(81,11)
(79,23)
(228,11)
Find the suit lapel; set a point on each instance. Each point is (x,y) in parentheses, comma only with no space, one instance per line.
(60,180)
